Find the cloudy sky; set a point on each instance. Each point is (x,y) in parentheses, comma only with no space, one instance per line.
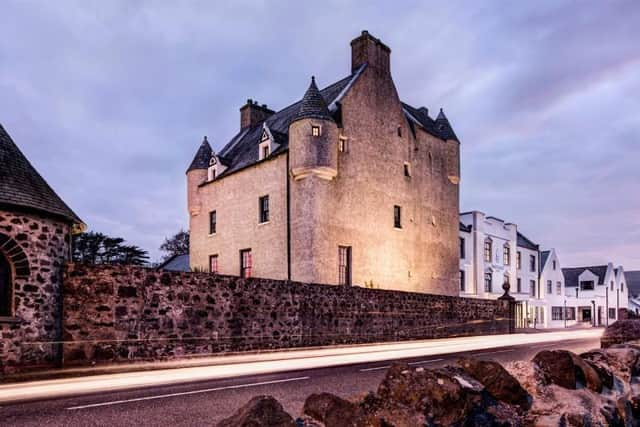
(110,99)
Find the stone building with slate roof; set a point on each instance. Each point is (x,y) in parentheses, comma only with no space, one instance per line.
(349,185)
(35,232)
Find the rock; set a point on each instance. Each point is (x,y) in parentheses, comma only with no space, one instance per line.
(567,370)
(439,397)
(261,411)
(598,361)
(497,381)
(621,332)
(331,410)
(623,361)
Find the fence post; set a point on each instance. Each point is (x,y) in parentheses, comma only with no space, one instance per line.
(511,303)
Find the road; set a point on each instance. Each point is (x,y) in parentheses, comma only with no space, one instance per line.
(204,402)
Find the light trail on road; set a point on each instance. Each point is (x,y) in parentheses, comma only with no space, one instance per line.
(268,363)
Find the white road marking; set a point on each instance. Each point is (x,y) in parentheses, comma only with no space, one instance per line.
(164,396)
(425,361)
(420,362)
(375,369)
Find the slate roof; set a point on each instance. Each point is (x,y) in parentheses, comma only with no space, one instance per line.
(524,242)
(313,105)
(544,256)
(444,127)
(633,281)
(466,228)
(571,274)
(176,263)
(202,157)
(22,186)
(241,151)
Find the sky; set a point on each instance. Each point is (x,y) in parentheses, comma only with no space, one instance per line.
(110,100)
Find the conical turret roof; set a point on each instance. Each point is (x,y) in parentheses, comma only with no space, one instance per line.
(313,105)
(444,127)
(23,187)
(202,157)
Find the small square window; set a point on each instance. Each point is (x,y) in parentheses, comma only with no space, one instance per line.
(315,130)
(343,145)
(407,170)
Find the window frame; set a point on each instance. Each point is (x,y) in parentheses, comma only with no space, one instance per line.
(463,284)
(316,131)
(213,258)
(263,209)
(549,287)
(532,284)
(558,288)
(557,313)
(519,260)
(345,265)
(506,254)
(488,281)
(397,216)
(488,250)
(213,222)
(532,263)
(246,263)
(519,285)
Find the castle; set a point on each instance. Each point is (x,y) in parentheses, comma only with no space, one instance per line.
(350,185)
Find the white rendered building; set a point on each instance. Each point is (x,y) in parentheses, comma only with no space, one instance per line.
(493,252)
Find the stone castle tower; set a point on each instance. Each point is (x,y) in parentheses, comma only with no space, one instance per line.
(349,185)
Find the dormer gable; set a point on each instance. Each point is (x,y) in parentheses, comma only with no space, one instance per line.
(267,143)
(216,167)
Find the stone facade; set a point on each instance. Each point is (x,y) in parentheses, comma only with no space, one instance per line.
(338,187)
(124,313)
(36,248)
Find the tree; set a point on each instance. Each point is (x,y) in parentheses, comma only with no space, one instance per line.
(98,248)
(177,244)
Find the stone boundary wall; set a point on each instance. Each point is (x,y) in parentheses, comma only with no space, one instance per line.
(125,313)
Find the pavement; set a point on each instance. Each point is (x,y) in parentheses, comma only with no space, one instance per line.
(203,395)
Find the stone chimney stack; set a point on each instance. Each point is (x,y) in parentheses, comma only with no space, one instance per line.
(251,113)
(371,50)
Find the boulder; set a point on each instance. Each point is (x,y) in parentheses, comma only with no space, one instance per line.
(621,332)
(567,370)
(331,410)
(497,381)
(438,396)
(261,411)
(598,361)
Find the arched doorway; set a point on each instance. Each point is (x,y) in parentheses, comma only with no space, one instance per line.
(6,287)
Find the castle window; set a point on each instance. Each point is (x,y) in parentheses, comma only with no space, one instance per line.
(5,287)
(263,205)
(265,151)
(400,131)
(397,216)
(487,282)
(211,173)
(315,130)
(344,265)
(212,222)
(246,263)
(343,145)
(213,263)
(407,170)
(506,254)
(487,250)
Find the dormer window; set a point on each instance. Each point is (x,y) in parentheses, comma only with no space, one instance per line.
(267,143)
(315,130)
(211,171)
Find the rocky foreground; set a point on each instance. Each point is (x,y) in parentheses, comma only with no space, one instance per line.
(556,388)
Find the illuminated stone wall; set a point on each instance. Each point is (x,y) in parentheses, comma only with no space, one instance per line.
(123,313)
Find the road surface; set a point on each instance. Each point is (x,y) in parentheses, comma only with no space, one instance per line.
(207,401)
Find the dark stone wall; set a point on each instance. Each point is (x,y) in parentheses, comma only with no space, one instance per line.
(37,248)
(124,313)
